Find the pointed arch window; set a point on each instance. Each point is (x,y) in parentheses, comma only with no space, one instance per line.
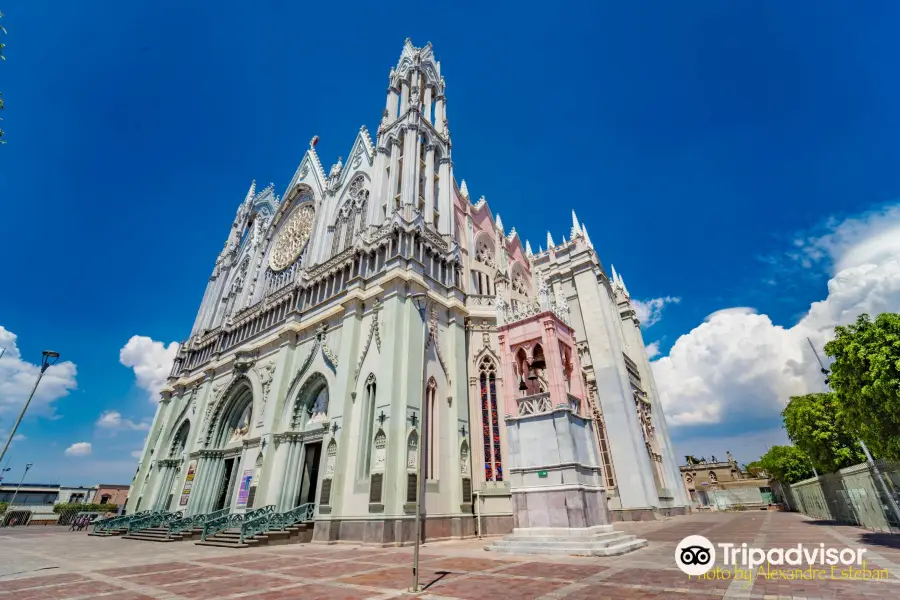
(490,423)
(367,427)
(351,219)
(431,431)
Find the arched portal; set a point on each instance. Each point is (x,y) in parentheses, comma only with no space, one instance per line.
(229,428)
(309,416)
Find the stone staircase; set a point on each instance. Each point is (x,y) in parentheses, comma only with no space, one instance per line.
(591,541)
(161,534)
(231,538)
(109,533)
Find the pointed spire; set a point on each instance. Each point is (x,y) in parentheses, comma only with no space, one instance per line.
(463,190)
(615,276)
(252,192)
(587,238)
(528,248)
(549,241)
(499,223)
(576,228)
(624,289)
(564,241)
(540,249)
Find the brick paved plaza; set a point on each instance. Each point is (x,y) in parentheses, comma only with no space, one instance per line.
(51,564)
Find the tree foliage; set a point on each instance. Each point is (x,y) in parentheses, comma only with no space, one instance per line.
(787,464)
(755,468)
(865,376)
(82,507)
(817,425)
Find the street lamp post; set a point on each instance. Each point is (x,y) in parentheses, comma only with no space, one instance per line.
(420,484)
(16,493)
(48,358)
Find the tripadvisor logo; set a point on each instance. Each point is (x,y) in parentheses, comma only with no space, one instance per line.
(695,555)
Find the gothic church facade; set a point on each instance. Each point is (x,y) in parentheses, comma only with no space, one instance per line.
(360,316)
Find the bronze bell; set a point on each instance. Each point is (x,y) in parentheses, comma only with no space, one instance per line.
(539,363)
(522,385)
(531,374)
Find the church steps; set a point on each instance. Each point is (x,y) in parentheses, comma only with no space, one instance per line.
(158,534)
(612,543)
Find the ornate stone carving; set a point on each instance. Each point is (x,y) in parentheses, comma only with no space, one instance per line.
(534,405)
(331,459)
(433,337)
(373,333)
(357,157)
(380,449)
(412,450)
(266,374)
(292,238)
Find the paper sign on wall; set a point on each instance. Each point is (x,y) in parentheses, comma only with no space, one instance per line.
(244,491)
(188,483)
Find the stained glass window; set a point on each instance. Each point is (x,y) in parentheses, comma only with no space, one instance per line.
(490,422)
(486,428)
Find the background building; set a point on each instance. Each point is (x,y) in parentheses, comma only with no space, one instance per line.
(312,376)
(722,485)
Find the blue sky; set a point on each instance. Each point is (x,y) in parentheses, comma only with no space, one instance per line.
(725,154)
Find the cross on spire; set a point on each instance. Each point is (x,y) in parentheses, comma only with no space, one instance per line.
(462,430)
(382,418)
(414,419)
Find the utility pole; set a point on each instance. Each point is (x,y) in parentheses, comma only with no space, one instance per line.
(16,493)
(420,484)
(892,502)
(48,358)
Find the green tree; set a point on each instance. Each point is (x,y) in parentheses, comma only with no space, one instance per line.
(755,468)
(865,376)
(787,464)
(817,425)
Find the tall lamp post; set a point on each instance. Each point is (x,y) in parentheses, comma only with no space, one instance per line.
(420,300)
(48,358)
(16,493)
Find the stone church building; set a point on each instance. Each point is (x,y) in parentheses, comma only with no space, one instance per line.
(376,307)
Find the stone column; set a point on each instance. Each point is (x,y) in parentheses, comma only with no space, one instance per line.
(428,104)
(277,478)
(404,96)
(445,202)
(392,179)
(410,160)
(439,114)
(429,184)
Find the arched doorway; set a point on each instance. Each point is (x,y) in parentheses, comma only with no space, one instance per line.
(219,463)
(303,443)
(170,467)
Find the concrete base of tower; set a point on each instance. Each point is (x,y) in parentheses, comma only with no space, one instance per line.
(399,531)
(620,515)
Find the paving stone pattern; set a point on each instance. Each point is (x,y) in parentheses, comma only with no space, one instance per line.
(51,564)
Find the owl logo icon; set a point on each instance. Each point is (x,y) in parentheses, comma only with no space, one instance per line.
(695,555)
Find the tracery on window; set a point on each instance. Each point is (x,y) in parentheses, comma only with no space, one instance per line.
(351,219)
(484,252)
(490,422)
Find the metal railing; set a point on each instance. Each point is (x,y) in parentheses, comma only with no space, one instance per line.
(179,526)
(113,523)
(153,520)
(272,521)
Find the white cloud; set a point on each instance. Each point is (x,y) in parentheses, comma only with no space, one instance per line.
(17,377)
(79,449)
(652,350)
(649,312)
(19,438)
(137,453)
(112,420)
(151,361)
(739,365)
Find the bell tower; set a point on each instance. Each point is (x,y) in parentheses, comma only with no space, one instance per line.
(413,170)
